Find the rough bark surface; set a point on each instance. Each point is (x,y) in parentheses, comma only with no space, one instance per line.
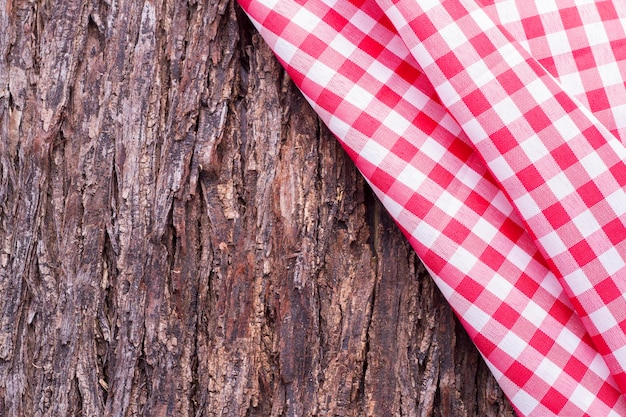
(179,236)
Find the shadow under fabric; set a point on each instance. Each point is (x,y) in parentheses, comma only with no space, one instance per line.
(493,132)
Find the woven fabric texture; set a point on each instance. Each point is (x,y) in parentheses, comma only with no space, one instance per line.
(493,131)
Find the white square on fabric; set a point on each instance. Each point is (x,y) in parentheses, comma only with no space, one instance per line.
(566,128)
(499,287)
(534,313)
(392,206)
(507,110)
(373,152)
(548,371)
(534,148)
(603,319)
(474,129)
(523,401)
(306,20)
(610,74)
(553,244)
(379,71)
(452,35)
(343,46)
(507,12)
(586,223)
(594,165)
(320,74)
(427,234)
(582,397)
(463,260)
(612,261)
(338,127)
(284,49)
(560,186)
(518,257)
(512,344)
(527,206)
(359,97)
(559,43)
(578,282)
(396,123)
(411,177)
(546,6)
(539,91)
(596,33)
(477,318)
(616,201)
(485,230)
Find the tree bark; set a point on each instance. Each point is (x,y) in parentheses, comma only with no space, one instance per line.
(180,236)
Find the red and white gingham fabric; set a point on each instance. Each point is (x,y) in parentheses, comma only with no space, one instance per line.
(493,131)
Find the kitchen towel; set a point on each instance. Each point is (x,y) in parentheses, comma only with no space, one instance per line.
(493,132)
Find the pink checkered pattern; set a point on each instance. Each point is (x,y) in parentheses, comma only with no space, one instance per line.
(493,133)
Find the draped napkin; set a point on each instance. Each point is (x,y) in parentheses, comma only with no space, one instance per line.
(494,133)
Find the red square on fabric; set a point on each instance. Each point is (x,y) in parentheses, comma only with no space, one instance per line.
(366,124)
(456,231)
(314,46)
(556,215)
(409,73)
(404,149)
(476,102)
(485,345)
(537,119)
(504,140)
(554,400)
(477,203)
(441,176)
(276,22)
(560,312)
(371,47)
(470,289)
(483,45)
(582,253)
(460,149)
(418,205)
(607,290)
(607,11)
(450,65)
(506,315)
(425,25)
(530,177)
(492,258)
(527,285)
(575,368)
(351,71)
(510,81)
(606,394)
(335,19)
(619,172)
(598,100)
(619,49)
(518,372)
(512,230)
(584,58)
(388,96)
(614,230)
(564,156)
(382,180)
(541,342)
(425,123)
(329,100)
(455,9)
(533,27)
(570,17)
(590,193)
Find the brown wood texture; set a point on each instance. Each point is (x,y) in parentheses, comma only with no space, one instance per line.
(180,236)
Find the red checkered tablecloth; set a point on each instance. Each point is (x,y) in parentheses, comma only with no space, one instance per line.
(493,131)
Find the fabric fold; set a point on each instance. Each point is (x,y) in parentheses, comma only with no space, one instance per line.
(353,62)
(562,170)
